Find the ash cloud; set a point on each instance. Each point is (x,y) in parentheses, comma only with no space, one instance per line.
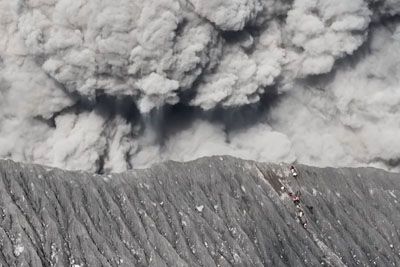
(111,85)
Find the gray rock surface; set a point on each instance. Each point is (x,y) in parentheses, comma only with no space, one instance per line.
(217,211)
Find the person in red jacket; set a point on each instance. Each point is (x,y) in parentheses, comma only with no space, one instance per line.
(295,198)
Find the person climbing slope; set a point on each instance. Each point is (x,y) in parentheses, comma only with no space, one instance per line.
(293,171)
(295,198)
(300,216)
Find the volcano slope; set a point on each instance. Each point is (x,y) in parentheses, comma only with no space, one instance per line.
(218,211)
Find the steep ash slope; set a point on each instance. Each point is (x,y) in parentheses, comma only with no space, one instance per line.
(218,211)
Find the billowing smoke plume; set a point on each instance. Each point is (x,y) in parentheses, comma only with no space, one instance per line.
(115,84)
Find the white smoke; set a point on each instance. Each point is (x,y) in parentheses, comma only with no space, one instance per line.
(354,118)
(228,16)
(204,139)
(83,84)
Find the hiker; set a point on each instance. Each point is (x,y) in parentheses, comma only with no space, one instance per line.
(300,213)
(300,216)
(295,198)
(293,171)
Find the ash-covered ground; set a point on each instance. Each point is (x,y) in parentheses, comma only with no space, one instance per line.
(218,211)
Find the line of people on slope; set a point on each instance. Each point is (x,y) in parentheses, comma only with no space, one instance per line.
(300,215)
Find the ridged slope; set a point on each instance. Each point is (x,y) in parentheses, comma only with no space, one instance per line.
(218,211)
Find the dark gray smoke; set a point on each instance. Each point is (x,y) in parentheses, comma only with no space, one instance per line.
(113,84)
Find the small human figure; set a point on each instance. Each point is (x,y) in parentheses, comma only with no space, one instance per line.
(300,216)
(293,171)
(295,198)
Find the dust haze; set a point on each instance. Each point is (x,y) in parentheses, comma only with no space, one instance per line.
(110,85)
